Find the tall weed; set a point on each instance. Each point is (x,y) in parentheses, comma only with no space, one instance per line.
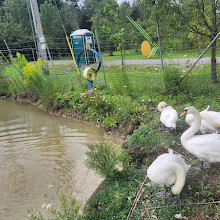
(121,84)
(105,160)
(4,83)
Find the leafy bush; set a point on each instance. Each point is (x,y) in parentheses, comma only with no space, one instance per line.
(19,62)
(105,160)
(172,77)
(26,78)
(33,81)
(68,99)
(145,137)
(94,102)
(48,88)
(4,83)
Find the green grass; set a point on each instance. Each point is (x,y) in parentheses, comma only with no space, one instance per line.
(167,54)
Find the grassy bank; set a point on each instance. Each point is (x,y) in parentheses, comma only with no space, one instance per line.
(127,106)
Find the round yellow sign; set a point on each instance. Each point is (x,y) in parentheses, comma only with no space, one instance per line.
(145,48)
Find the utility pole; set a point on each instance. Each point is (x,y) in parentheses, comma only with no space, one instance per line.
(42,53)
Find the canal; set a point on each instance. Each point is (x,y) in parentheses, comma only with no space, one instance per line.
(42,154)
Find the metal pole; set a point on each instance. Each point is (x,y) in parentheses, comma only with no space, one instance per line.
(8,49)
(158,35)
(51,60)
(35,43)
(38,29)
(100,57)
(200,56)
(35,27)
(4,56)
(32,50)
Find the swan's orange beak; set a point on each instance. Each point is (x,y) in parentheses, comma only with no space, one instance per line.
(183,113)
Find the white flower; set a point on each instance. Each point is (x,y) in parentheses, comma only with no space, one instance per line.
(125,86)
(50,186)
(119,166)
(48,205)
(179,216)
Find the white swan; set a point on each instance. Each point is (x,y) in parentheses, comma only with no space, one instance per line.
(169,169)
(207,146)
(168,115)
(210,121)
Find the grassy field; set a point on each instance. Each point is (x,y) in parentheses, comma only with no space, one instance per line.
(167,54)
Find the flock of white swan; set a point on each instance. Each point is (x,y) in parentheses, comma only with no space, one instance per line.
(170,169)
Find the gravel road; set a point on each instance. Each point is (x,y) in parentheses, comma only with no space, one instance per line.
(184,63)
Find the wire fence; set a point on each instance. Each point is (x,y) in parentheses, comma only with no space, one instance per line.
(171,44)
(171,52)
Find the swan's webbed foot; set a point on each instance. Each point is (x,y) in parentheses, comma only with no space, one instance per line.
(204,165)
(175,200)
(162,195)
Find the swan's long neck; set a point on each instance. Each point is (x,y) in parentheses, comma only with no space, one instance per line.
(195,126)
(180,179)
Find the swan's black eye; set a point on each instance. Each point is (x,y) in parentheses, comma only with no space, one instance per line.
(186,110)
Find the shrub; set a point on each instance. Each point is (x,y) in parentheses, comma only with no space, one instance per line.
(19,62)
(33,81)
(145,137)
(172,77)
(68,99)
(3,79)
(105,160)
(94,102)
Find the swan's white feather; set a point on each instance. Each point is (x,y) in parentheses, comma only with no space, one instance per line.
(205,147)
(161,171)
(206,127)
(169,117)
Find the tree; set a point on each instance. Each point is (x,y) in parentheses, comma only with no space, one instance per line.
(204,22)
(109,18)
(69,14)
(86,13)
(15,21)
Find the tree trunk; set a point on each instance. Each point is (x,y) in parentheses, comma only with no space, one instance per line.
(213,46)
(213,63)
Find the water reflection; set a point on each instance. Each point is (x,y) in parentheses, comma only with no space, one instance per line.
(38,150)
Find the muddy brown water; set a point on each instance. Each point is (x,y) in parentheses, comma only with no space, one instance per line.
(42,154)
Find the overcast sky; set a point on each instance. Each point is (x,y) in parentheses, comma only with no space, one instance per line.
(120,1)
